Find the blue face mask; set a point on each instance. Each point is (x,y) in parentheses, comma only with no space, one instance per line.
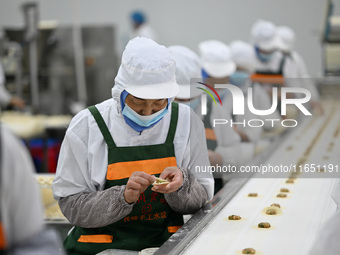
(193,104)
(264,57)
(239,78)
(139,122)
(144,121)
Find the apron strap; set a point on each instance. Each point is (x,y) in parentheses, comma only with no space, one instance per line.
(173,123)
(278,72)
(282,63)
(102,126)
(206,119)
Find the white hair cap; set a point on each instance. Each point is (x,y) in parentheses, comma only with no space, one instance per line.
(187,66)
(243,55)
(264,36)
(287,37)
(216,58)
(147,70)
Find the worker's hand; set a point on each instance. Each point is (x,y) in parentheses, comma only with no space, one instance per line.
(215,158)
(17,102)
(172,174)
(136,185)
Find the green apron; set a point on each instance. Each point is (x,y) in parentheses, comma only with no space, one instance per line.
(278,72)
(151,221)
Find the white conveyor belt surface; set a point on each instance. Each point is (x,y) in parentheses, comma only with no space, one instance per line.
(307,206)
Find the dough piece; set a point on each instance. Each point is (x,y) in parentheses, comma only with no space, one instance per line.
(271,211)
(234,217)
(290,180)
(276,205)
(264,225)
(281,195)
(248,251)
(252,195)
(284,190)
(45,180)
(54,212)
(160,181)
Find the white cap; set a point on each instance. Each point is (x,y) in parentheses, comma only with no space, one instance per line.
(243,55)
(216,58)
(287,37)
(147,70)
(264,35)
(187,66)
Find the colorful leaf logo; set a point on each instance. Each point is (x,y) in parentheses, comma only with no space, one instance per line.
(209,93)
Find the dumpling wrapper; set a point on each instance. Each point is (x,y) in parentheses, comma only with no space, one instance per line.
(160,181)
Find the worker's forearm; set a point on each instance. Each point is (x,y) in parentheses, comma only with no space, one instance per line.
(190,197)
(96,209)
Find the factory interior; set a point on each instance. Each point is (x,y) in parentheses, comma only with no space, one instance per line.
(257,181)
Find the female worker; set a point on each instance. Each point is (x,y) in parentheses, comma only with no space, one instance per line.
(217,66)
(295,67)
(22,230)
(188,73)
(113,151)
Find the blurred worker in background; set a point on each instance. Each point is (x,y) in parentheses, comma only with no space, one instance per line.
(217,67)
(266,44)
(112,152)
(295,69)
(141,28)
(188,67)
(22,231)
(269,63)
(243,57)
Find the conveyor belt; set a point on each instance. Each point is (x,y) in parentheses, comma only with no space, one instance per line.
(307,207)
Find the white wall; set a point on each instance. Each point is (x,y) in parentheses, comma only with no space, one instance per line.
(188,22)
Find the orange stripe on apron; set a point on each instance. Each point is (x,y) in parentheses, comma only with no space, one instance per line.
(268,78)
(173,229)
(2,237)
(95,239)
(210,134)
(121,170)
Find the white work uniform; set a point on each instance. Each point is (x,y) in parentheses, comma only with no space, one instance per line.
(21,207)
(5,97)
(262,100)
(327,241)
(295,67)
(228,140)
(86,170)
